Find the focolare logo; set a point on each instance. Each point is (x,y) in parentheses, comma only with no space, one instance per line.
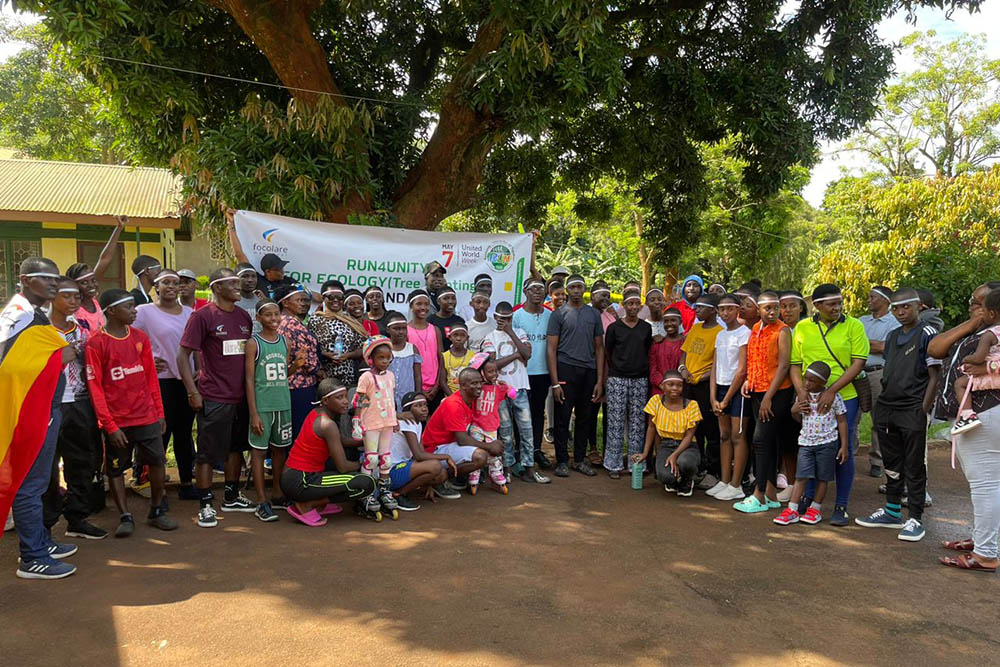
(500,256)
(269,245)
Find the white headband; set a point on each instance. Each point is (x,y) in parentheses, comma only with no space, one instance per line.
(915,299)
(166,274)
(292,293)
(829,297)
(457,327)
(118,302)
(631,296)
(374,288)
(705,304)
(264,304)
(246,269)
(791,296)
(69,289)
(418,399)
(535,283)
(816,374)
(329,393)
(765,302)
(746,295)
(332,290)
(41,274)
(575,281)
(222,280)
(655,289)
(882,294)
(484,280)
(418,296)
(601,290)
(353,296)
(88,274)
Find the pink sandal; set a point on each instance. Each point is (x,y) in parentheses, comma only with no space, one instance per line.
(310,518)
(331,508)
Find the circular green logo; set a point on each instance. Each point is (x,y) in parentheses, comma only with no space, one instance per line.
(500,256)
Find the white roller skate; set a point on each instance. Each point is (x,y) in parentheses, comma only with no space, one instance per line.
(473,482)
(497,478)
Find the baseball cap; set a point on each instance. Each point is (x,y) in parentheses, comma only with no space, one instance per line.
(271,261)
(560,270)
(431,267)
(187,273)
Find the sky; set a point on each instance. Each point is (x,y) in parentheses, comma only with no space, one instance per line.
(832,164)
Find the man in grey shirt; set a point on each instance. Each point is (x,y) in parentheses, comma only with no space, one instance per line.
(249,294)
(878,325)
(575,354)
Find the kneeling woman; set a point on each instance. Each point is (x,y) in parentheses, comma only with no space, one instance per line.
(313,489)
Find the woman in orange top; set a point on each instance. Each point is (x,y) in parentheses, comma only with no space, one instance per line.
(770,390)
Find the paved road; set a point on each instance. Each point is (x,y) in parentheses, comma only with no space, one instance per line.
(585,571)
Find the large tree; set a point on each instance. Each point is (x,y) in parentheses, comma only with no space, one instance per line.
(401,108)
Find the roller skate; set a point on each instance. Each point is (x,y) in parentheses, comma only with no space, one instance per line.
(497,478)
(369,508)
(388,503)
(473,483)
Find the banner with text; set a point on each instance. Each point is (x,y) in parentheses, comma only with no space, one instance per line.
(392,259)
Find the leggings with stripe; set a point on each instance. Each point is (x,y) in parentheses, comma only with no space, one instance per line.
(337,487)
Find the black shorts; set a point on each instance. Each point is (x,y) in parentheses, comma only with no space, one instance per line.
(147,441)
(222,428)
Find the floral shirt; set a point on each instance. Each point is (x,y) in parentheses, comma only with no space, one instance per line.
(300,340)
(325,330)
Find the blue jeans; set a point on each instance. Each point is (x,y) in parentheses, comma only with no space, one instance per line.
(845,471)
(27,506)
(517,409)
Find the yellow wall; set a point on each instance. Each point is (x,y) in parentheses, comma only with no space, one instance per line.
(63,251)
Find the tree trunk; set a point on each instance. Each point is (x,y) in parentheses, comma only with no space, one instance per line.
(647,256)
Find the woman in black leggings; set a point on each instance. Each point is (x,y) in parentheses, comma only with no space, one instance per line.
(314,489)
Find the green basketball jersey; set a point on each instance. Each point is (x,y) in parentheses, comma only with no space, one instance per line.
(270,378)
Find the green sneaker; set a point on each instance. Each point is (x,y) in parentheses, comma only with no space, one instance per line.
(750,505)
(772,504)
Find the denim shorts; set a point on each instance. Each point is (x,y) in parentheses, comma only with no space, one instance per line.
(817,461)
(735,405)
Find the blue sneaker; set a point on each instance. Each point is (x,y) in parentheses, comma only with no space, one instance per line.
(913,531)
(880,519)
(58,551)
(267,464)
(840,516)
(45,568)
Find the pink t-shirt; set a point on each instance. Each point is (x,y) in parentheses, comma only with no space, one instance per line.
(164,330)
(425,340)
(488,406)
(380,412)
(90,321)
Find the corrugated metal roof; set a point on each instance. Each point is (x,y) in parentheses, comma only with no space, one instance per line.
(88,189)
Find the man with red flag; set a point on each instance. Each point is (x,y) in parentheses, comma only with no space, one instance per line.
(32,354)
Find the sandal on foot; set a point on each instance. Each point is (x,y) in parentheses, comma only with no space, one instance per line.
(331,508)
(965,561)
(310,518)
(959,545)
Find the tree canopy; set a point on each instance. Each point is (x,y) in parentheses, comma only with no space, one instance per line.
(409,111)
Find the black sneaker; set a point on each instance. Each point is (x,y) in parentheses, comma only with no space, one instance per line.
(840,516)
(542,460)
(562,470)
(446,491)
(159,519)
(875,471)
(280,503)
(584,468)
(459,483)
(265,513)
(685,488)
(532,476)
(405,504)
(86,530)
(238,504)
(126,526)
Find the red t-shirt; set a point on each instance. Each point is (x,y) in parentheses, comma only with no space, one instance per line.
(663,356)
(688,315)
(487,415)
(122,380)
(310,452)
(220,336)
(371,326)
(451,417)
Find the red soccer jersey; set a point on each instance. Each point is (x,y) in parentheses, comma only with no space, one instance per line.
(452,416)
(122,380)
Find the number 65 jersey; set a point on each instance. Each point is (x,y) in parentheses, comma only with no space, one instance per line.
(270,380)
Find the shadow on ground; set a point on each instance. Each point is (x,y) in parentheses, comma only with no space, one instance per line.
(583,571)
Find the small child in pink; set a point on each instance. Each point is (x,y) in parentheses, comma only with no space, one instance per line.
(486,421)
(375,405)
(987,352)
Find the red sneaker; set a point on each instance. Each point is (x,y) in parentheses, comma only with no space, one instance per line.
(812,516)
(786,517)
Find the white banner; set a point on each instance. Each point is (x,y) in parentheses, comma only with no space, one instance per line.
(392,259)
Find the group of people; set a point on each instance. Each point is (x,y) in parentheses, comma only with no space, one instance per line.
(744,395)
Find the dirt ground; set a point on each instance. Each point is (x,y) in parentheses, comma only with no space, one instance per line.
(584,571)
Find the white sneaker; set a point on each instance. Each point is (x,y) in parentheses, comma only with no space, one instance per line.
(707,482)
(715,490)
(782,481)
(731,493)
(9,524)
(785,494)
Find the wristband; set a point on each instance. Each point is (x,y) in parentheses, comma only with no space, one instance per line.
(556,386)
(193,393)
